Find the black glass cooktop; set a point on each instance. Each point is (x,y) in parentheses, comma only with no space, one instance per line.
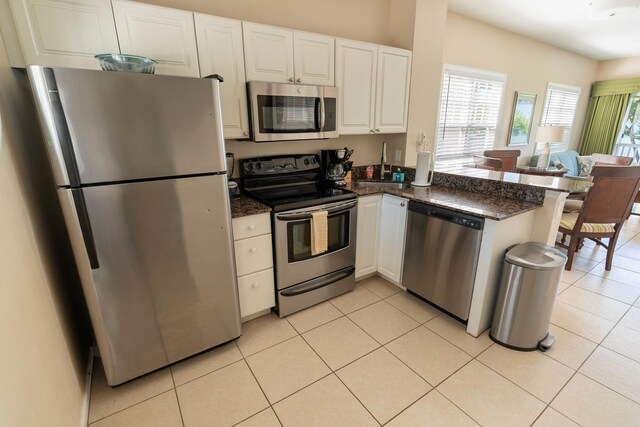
(300,196)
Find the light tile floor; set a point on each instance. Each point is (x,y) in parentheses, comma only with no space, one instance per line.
(380,356)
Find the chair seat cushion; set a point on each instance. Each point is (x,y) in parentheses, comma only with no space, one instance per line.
(568,221)
(571,206)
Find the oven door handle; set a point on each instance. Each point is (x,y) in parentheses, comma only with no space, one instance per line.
(307,214)
(320,282)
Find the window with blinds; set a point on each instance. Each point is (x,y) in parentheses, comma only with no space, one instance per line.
(559,110)
(469,111)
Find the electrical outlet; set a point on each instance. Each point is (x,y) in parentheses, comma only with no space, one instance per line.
(398,155)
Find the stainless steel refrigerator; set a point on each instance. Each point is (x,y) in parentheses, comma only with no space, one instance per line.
(139,165)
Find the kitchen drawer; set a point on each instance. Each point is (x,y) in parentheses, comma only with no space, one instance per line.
(253,254)
(256,292)
(251,226)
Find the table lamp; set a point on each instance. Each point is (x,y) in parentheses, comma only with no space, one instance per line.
(545,135)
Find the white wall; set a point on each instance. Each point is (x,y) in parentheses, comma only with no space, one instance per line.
(619,69)
(44,345)
(530,65)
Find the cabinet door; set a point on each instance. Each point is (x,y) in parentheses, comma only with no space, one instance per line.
(166,35)
(314,57)
(256,292)
(393,218)
(220,52)
(65,33)
(368,233)
(392,90)
(268,53)
(356,81)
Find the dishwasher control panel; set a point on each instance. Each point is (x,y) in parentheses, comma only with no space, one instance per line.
(459,218)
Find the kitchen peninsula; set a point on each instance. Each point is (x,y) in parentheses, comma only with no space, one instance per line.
(516,208)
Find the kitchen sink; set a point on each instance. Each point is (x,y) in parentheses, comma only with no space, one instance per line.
(380,184)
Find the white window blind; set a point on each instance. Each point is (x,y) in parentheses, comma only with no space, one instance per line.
(559,110)
(469,111)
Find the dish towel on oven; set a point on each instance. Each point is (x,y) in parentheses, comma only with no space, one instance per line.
(319,231)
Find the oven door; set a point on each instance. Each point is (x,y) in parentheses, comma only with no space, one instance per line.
(294,262)
(290,112)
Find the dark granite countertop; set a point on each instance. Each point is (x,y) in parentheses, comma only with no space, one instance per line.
(566,185)
(473,203)
(245,206)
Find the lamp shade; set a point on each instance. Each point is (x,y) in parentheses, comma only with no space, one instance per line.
(549,133)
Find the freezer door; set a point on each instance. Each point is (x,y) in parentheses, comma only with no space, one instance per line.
(127,126)
(164,285)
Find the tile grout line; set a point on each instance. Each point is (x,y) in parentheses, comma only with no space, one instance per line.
(175,392)
(577,371)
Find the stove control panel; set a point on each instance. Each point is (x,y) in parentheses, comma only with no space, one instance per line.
(280,164)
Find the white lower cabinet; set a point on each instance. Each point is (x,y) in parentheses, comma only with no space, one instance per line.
(254,263)
(393,221)
(368,233)
(256,292)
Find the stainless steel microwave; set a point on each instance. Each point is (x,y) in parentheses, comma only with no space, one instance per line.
(282,112)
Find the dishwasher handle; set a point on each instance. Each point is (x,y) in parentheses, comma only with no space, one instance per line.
(459,218)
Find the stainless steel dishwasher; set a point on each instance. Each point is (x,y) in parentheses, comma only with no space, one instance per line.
(441,256)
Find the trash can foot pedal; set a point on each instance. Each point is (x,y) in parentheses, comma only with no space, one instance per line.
(546,343)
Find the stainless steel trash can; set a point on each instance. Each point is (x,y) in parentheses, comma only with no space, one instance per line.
(528,288)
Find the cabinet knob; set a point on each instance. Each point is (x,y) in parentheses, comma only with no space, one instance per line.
(245,133)
(298,80)
(377,130)
(252,227)
(372,131)
(253,250)
(291,79)
(255,285)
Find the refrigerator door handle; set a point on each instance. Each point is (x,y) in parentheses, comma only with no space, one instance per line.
(85,227)
(54,126)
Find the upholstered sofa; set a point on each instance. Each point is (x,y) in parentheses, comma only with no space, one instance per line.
(568,158)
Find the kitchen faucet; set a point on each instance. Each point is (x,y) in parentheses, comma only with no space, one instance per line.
(385,168)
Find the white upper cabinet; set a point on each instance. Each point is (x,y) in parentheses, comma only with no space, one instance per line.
(166,35)
(393,220)
(314,59)
(268,53)
(220,52)
(392,89)
(64,33)
(274,54)
(374,87)
(356,64)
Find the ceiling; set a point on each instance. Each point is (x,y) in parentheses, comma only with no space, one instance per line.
(563,23)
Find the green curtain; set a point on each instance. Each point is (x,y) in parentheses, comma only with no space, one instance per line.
(603,123)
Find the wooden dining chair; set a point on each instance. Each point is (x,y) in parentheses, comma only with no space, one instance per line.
(607,159)
(509,158)
(489,163)
(606,206)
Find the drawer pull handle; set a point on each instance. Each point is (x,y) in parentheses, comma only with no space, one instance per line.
(253,250)
(255,285)
(252,227)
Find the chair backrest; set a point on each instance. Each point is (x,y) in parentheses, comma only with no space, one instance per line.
(488,163)
(606,159)
(509,158)
(612,195)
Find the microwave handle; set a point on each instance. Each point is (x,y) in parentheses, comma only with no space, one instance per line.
(322,114)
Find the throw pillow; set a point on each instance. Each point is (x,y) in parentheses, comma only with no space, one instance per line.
(558,164)
(584,165)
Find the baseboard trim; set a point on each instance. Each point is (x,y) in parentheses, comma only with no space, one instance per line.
(84,419)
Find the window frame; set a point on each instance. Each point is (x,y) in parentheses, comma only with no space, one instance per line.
(479,74)
(568,132)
